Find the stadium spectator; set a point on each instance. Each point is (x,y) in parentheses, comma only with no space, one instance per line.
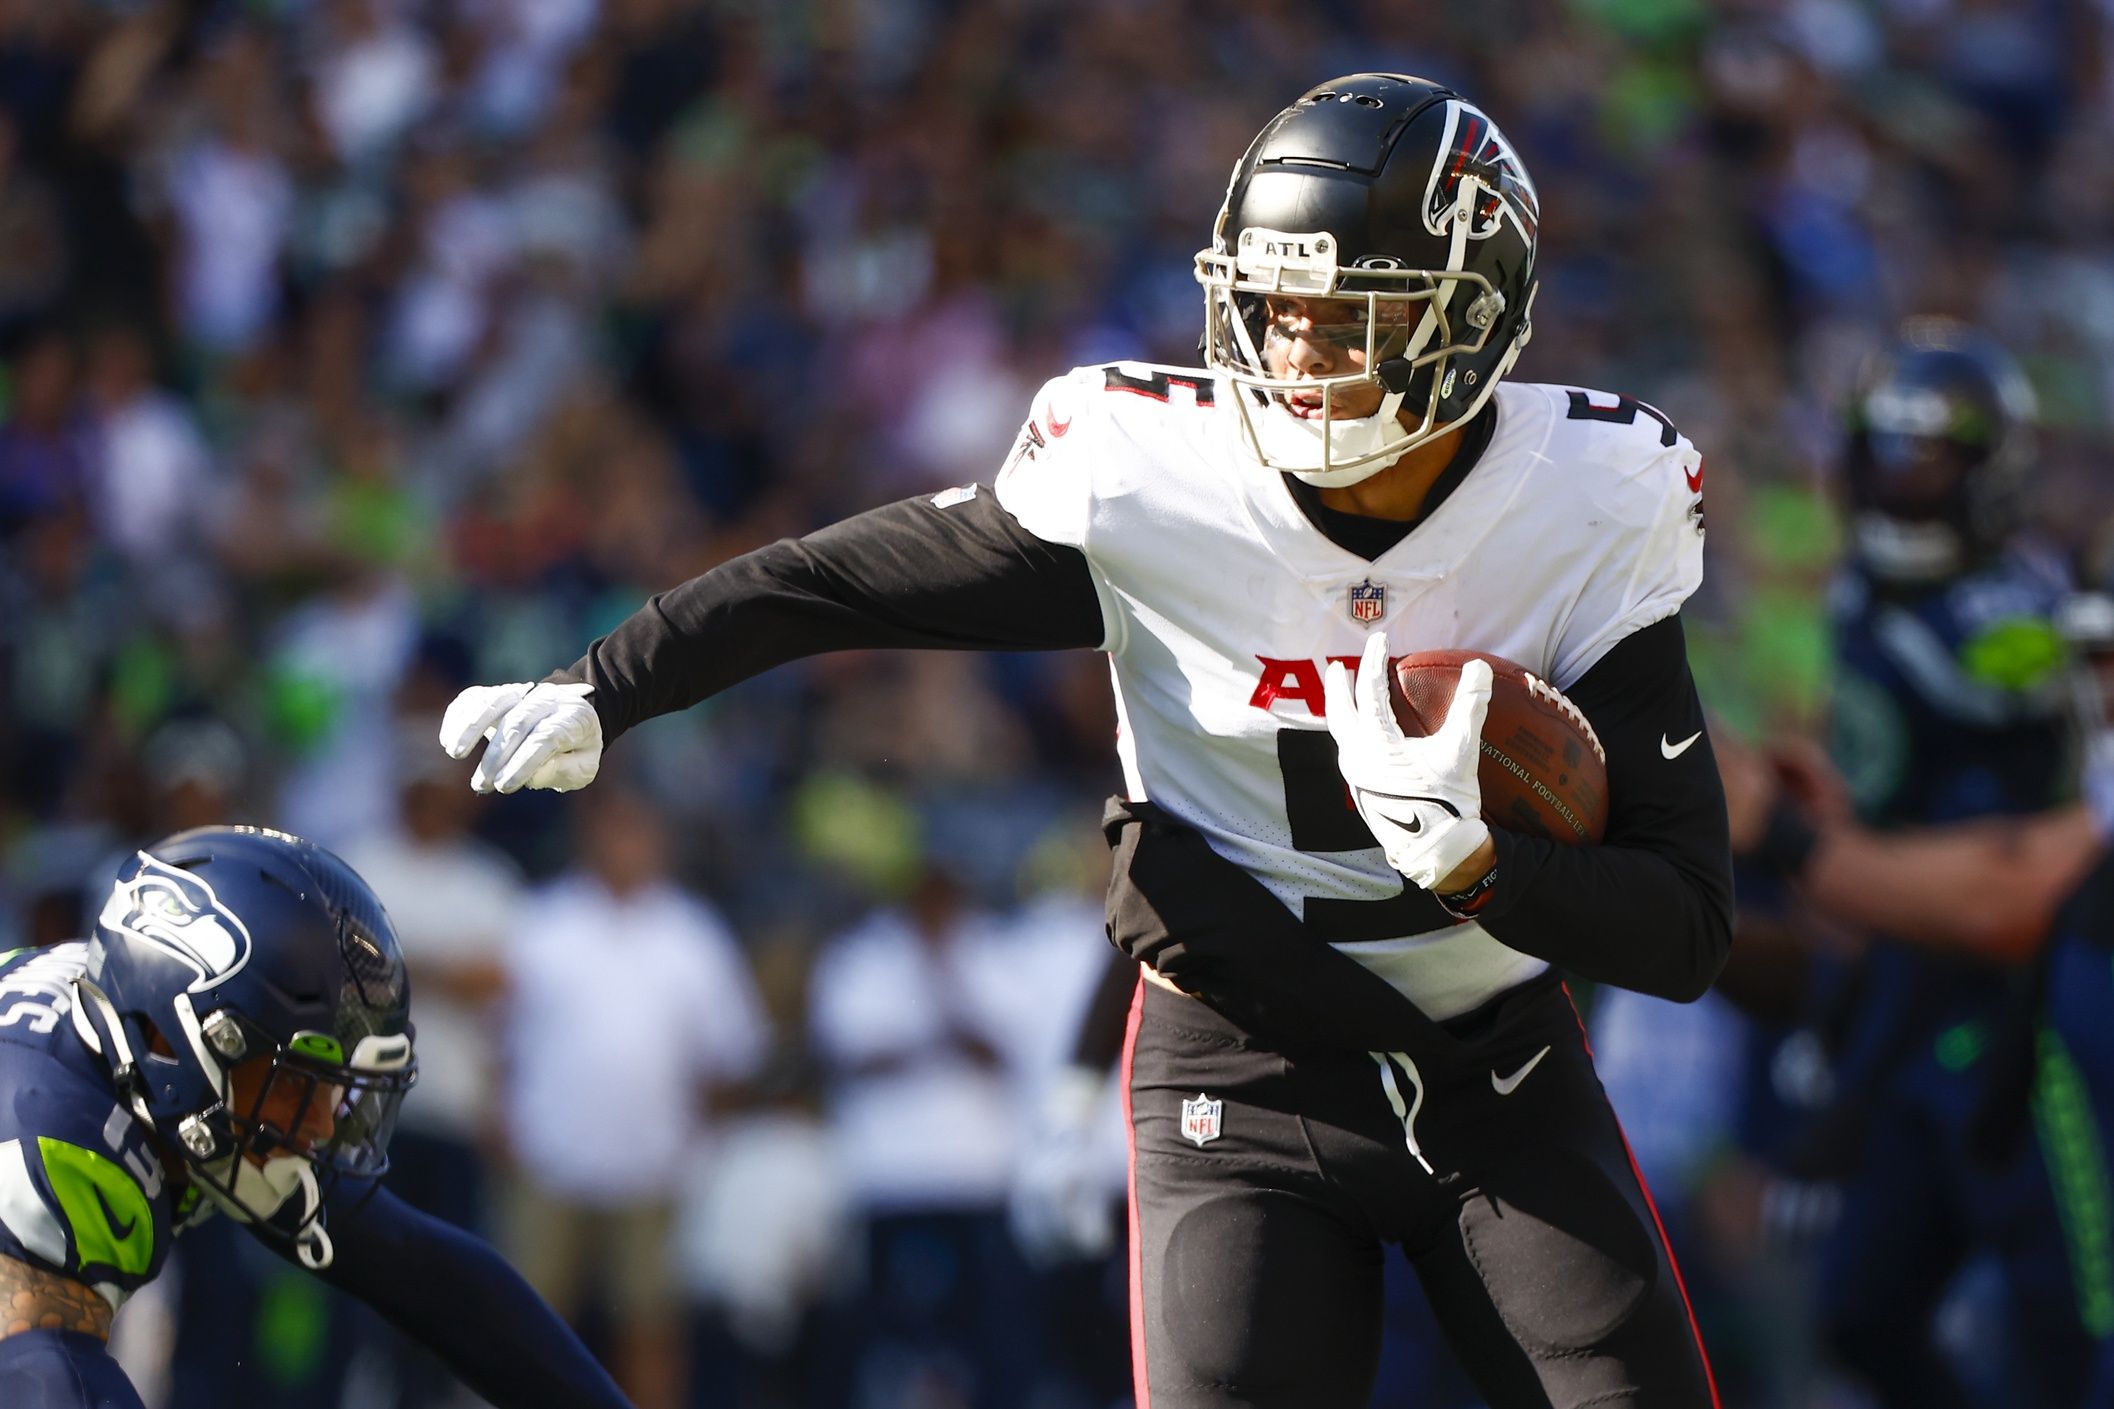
(904,1012)
(456,902)
(630,1008)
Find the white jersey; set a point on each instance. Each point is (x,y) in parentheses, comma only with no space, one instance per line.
(1579,524)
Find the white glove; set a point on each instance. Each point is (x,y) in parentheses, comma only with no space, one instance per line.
(541,736)
(1062,1208)
(1419,796)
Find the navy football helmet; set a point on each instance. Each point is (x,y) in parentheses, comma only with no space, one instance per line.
(248,993)
(1397,205)
(1940,437)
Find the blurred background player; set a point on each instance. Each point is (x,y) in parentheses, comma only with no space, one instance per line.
(1949,706)
(235,1038)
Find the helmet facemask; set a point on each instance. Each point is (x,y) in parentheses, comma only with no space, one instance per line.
(1405,327)
(273,1121)
(1937,454)
(292,1119)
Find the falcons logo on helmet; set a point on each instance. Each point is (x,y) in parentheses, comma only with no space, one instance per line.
(1475,148)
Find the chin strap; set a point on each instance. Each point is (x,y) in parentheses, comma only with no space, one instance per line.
(104,1025)
(248,1193)
(1331,453)
(312,1244)
(314,1247)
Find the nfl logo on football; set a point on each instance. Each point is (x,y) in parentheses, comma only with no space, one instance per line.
(1200,1118)
(1368,602)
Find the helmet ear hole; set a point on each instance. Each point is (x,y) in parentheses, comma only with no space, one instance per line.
(156,1044)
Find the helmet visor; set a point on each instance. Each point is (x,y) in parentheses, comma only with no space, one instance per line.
(1914,477)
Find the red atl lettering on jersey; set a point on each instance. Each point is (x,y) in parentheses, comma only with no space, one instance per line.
(1298,680)
(1694,478)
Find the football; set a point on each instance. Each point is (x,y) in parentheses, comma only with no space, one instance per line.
(1543,772)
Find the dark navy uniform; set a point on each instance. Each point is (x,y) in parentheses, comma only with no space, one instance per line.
(2074,1103)
(1948,707)
(85,1195)
(82,1190)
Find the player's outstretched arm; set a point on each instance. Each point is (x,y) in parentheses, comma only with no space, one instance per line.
(1990,886)
(958,575)
(455,1295)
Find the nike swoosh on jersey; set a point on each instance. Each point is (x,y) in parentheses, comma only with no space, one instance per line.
(1694,478)
(1673,750)
(122,1227)
(1506,1085)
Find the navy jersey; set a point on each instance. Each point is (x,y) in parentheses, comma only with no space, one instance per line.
(1948,704)
(82,1190)
(83,1194)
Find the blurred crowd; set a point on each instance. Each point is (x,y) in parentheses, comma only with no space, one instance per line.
(355,350)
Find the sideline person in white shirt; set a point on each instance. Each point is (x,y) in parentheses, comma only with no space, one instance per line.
(631,1004)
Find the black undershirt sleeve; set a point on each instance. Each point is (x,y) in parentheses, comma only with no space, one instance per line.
(1650,908)
(966,577)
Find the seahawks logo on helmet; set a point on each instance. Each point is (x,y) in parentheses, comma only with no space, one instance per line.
(1473,147)
(178,913)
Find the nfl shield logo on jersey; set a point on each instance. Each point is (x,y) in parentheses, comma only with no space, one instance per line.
(1200,1118)
(1368,602)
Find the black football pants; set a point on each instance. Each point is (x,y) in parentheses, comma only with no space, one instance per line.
(1267,1182)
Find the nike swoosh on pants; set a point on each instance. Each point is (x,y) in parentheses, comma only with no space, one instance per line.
(1506,1085)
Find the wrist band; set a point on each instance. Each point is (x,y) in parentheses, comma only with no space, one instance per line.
(1787,841)
(1463,904)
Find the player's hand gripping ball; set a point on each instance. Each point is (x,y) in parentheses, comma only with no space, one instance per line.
(1441,746)
(1417,793)
(1542,769)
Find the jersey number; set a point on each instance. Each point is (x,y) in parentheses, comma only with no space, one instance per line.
(1318,809)
(1622,413)
(1156,386)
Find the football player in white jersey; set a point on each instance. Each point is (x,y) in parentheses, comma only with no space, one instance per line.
(1356,1033)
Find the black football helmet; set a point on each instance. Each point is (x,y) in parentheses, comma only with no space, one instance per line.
(1934,466)
(227,949)
(1402,200)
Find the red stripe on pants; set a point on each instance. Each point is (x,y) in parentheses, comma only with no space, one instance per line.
(1709,1376)
(1137,1251)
